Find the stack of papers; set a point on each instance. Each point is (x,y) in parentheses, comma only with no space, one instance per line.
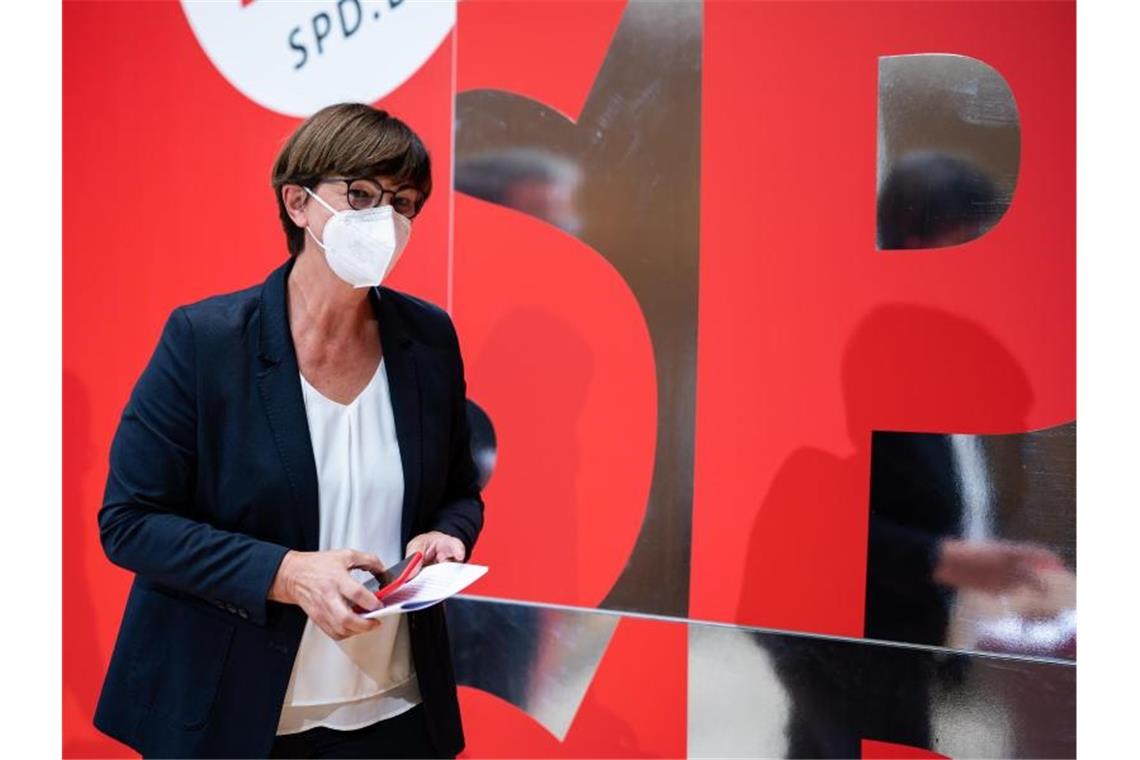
(432,585)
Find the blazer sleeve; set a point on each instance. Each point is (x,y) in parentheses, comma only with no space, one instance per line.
(461,514)
(147,523)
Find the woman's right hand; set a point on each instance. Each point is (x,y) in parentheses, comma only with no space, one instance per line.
(320,584)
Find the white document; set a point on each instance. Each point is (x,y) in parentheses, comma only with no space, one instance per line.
(431,585)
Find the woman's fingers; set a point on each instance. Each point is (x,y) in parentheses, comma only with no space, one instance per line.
(363,561)
(339,622)
(324,589)
(452,549)
(348,622)
(358,595)
(416,545)
(327,622)
(437,547)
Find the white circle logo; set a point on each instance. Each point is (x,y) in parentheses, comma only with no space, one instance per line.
(297,57)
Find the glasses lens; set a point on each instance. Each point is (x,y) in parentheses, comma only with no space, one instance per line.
(406,202)
(363,194)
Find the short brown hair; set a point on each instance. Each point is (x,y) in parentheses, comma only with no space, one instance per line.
(348,140)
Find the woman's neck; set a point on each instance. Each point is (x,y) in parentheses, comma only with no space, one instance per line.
(322,304)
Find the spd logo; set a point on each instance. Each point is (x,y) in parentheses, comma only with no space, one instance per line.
(296,57)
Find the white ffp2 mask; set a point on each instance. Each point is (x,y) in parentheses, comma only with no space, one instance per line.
(362,247)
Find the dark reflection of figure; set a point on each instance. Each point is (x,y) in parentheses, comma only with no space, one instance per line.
(915,501)
(841,692)
(933,200)
(484,447)
(916,556)
(532,180)
(894,357)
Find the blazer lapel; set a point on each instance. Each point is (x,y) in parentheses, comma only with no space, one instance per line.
(280,387)
(404,387)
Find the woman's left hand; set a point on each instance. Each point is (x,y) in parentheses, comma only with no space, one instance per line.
(437,547)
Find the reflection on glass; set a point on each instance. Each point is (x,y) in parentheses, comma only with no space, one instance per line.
(624,178)
(972,541)
(539,659)
(949,147)
(933,200)
(535,181)
(484,446)
(763,694)
(969,536)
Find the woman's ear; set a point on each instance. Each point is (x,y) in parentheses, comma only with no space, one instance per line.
(295,199)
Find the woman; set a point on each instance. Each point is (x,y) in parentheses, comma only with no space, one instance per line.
(282,441)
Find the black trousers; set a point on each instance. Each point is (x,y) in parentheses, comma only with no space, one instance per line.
(405,735)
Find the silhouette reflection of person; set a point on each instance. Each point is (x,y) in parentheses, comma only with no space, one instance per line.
(901,359)
(916,555)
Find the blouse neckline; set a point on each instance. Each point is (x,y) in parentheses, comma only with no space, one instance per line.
(350,404)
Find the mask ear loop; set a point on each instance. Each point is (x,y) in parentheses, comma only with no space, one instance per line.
(314,237)
(332,210)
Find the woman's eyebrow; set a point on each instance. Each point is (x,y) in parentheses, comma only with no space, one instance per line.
(401,186)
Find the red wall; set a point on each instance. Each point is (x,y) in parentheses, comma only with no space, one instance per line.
(167,200)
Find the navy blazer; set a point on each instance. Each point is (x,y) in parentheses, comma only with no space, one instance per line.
(212,480)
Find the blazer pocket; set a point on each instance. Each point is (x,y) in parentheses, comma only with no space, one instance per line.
(177,669)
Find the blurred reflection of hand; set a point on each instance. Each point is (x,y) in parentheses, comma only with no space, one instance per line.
(1059,594)
(993,566)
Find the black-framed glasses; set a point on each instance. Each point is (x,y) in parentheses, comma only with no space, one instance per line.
(364,193)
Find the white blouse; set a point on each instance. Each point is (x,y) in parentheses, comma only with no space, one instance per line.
(369,677)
